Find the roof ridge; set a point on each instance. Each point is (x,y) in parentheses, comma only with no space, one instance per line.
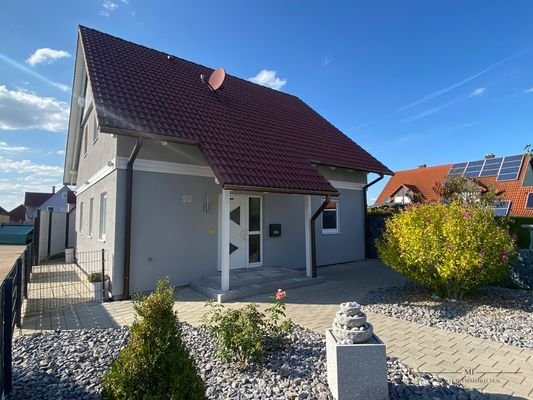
(80,27)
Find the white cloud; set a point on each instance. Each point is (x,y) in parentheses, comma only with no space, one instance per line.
(477,92)
(269,79)
(530,90)
(8,165)
(22,109)
(60,152)
(47,55)
(108,7)
(5,148)
(12,190)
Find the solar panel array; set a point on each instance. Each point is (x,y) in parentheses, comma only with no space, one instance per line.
(503,168)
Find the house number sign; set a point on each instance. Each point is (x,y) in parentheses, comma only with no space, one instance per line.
(187,198)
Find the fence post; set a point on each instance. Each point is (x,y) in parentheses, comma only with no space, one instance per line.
(8,333)
(25,271)
(103,277)
(18,299)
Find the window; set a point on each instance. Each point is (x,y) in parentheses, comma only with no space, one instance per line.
(64,195)
(51,208)
(529,201)
(501,208)
(103,212)
(254,230)
(91,207)
(81,218)
(330,217)
(95,129)
(85,139)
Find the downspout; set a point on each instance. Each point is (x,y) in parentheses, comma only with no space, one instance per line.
(313,236)
(380,177)
(127,235)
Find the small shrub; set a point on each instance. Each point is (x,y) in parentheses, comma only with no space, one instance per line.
(96,277)
(451,248)
(246,334)
(155,364)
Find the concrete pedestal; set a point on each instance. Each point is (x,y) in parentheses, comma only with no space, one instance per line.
(357,371)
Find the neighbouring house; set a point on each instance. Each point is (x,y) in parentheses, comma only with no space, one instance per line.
(179,178)
(511,176)
(4,216)
(18,214)
(57,201)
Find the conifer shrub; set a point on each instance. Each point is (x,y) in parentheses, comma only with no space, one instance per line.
(155,364)
(450,248)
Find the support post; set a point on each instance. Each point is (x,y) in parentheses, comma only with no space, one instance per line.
(307,219)
(18,298)
(224,240)
(104,295)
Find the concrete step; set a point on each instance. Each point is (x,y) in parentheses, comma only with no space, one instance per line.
(203,287)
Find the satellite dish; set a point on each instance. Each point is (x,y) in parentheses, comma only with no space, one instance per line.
(216,80)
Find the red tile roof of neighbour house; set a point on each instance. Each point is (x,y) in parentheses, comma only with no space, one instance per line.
(422,178)
(36,199)
(425,179)
(250,135)
(71,197)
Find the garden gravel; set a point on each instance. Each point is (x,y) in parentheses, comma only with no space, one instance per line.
(499,314)
(70,364)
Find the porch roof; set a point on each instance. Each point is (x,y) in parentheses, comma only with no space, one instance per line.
(250,135)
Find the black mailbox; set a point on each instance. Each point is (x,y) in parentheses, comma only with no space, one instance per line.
(274,230)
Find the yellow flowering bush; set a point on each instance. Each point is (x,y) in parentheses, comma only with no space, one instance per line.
(450,248)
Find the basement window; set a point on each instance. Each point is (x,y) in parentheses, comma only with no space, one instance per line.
(330,218)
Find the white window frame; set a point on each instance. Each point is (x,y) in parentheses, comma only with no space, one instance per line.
(80,227)
(91,211)
(103,215)
(95,129)
(85,138)
(530,194)
(337,230)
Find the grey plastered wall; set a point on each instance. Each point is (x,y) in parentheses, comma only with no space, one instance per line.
(342,174)
(288,250)
(101,151)
(171,237)
(86,243)
(155,150)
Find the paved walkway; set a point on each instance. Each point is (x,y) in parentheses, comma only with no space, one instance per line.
(8,256)
(497,369)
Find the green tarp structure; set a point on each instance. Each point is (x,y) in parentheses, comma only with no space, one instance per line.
(15,234)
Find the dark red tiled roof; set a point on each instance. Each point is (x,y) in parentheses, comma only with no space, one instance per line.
(36,199)
(3,211)
(71,197)
(250,135)
(18,214)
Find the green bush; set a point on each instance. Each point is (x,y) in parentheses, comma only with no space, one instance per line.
(450,248)
(246,334)
(95,277)
(155,364)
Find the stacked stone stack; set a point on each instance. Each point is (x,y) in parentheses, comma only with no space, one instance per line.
(350,325)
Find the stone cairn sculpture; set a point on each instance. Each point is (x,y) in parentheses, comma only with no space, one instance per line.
(350,326)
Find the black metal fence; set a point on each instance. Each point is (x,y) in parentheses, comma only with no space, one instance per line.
(68,281)
(12,289)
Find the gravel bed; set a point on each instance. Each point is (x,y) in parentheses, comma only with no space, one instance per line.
(499,314)
(69,365)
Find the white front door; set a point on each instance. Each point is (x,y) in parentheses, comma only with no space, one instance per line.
(245,215)
(238,233)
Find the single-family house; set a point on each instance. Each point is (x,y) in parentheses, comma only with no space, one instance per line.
(4,216)
(510,176)
(180,176)
(57,201)
(18,214)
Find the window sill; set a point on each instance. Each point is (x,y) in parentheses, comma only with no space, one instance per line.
(89,237)
(101,240)
(331,232)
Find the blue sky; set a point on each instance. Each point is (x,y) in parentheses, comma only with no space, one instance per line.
(412,82)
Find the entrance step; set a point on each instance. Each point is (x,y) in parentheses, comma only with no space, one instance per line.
(245,285)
